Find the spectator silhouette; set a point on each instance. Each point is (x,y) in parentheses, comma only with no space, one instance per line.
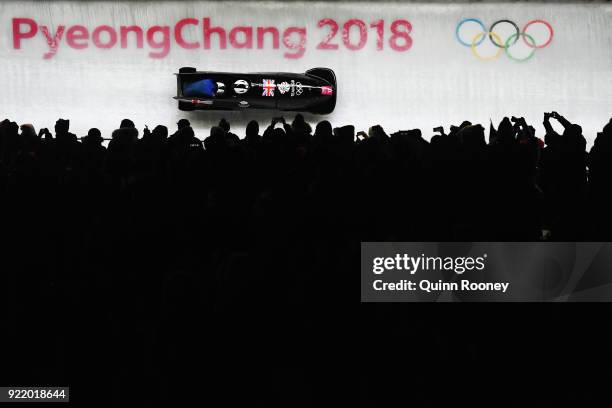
(62,132)
(121,151)
(232,139)
(252,137)
(94,153)
(600,176)
(564,178)
(184,138)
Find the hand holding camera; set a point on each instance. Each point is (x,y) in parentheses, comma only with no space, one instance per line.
(440,130)
(361,134)
(44,132)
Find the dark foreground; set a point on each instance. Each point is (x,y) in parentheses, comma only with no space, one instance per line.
(164,270)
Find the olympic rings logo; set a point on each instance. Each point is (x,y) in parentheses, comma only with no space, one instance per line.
(505,45)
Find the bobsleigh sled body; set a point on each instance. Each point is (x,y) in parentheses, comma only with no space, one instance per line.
(314,91)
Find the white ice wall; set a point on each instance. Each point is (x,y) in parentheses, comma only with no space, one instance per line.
(436,82)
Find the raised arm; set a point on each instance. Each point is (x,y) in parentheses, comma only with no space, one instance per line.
(561,119)
(549,129)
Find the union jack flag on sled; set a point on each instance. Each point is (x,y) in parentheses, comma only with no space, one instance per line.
(268,87)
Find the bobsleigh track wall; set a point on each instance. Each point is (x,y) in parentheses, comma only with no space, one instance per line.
(401,65)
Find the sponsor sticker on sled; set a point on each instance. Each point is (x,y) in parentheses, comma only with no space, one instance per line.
(284,87)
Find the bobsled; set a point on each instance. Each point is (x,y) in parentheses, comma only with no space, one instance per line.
(313,91)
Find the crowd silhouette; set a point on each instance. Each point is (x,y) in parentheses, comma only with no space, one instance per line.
(127,257)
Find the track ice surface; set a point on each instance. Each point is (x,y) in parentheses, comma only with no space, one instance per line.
(437,82)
